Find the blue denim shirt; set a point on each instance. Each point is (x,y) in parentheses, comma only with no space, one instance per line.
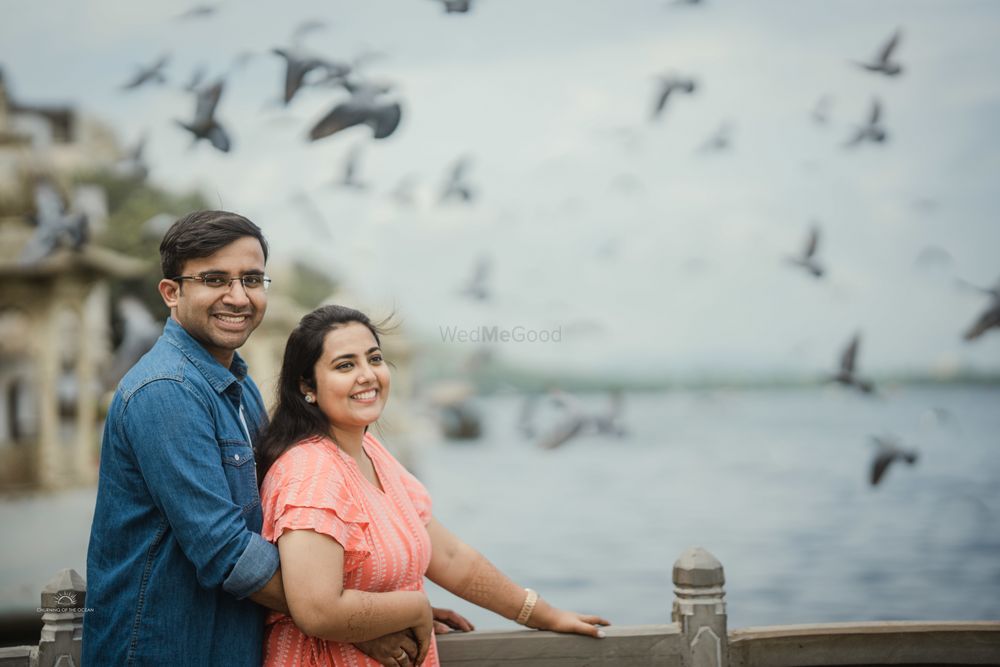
(175,547)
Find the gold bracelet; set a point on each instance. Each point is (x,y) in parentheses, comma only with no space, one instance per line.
(529,605)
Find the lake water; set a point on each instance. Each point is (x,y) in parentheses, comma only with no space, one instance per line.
(773,483)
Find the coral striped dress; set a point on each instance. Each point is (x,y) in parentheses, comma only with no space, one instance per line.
(317,486)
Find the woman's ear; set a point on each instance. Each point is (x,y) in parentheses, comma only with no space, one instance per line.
(304,386)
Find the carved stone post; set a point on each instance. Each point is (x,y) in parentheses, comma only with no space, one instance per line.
(700,607)
(62,612)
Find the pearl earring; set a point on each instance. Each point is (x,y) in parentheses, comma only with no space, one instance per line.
(310,398)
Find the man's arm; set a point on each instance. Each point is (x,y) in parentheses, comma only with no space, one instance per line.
(272,595)
(171,432)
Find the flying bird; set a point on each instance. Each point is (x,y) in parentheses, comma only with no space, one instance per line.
(873,131)
(351,169)
(821,111)
(55,227)
(847,375)
(198,12)
(363,107)
(807,259)
(667,86)
(988,319)
(720,141)
(151,73)
(883,62)
(888,451)
(298,65)
(457,186)
(204,125)
(197,78)
(477,287)
(578,421)
(141,331)
(132,165)
(456,6)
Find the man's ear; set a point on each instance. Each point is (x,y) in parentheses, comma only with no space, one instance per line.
(170,292)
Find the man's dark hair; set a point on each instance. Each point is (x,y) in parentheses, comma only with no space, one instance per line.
(200,234)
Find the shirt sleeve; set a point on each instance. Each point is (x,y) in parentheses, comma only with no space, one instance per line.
(319,501)
(171,432)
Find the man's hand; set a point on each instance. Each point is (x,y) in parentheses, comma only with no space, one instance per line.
(388,649)
(446,620)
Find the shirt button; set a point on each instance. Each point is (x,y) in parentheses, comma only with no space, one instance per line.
(237,457)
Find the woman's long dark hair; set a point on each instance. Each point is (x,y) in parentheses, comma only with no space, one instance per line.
(295,420)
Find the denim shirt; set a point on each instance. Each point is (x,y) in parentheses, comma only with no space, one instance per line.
(175,546)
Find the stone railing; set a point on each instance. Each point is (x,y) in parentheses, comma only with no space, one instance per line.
(697,636)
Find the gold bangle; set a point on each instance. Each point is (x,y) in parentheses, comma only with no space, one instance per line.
(529,605)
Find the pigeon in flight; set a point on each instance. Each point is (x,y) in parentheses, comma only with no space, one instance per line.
(198,12)
(132,165)
(579,421)
(667,86)
(151,73)
(477,287)
(847,375)
(988,319)
(456,6)
(457,186)
(721,140)
(873,131)
(351,169)
(363,107)
(55,226)
(298,65)
(821,111)
(883,62)
(204,125)
(888,450)
(141,331)
(807,259)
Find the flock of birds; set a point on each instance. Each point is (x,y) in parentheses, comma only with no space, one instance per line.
(577,421)
(371,104)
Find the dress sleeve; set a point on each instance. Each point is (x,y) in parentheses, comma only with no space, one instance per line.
(320,501)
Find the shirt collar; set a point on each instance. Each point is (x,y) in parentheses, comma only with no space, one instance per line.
(217,375)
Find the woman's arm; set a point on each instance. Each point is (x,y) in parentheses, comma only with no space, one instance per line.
(460,569)
(312,567)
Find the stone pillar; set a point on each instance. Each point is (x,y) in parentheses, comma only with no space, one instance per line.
(48,465)
(700,607)
(63,601)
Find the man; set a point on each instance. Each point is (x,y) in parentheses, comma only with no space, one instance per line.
(176,562)
(176,568)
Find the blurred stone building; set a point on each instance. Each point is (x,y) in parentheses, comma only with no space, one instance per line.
(54,311)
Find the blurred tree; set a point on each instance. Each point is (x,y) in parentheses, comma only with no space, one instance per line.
(310,286)
(132,202)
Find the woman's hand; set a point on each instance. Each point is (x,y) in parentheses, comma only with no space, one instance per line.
(423,632)
(387,650)
(446,620)
(547,617)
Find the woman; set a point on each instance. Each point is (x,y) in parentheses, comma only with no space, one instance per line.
(354,529)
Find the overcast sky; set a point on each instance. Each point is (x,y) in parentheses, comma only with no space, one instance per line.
(653,257)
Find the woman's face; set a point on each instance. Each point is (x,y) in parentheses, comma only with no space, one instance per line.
(352,379)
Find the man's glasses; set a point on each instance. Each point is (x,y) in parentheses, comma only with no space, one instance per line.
(251,281)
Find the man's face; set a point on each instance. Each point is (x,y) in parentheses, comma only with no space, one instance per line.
(220,318)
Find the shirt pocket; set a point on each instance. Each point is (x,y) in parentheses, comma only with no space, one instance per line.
(241,473)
